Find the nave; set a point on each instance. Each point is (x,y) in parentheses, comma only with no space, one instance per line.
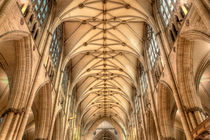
(104,70)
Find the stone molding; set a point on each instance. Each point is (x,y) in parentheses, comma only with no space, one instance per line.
(14,110)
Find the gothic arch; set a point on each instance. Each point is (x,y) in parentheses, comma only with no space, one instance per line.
(168,114)
(16,49)
(42,109)
(188,62)
(17,63)
(58,127)
(185,75)
(89,132)
(105,134)
(4,90)
(166,110)
(202,83)
(151,128)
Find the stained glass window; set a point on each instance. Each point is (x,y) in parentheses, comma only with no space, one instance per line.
(42,8)
(166,9)
(24,6)
(144,81)
(55,48)
(65,80)
(153,49)
(137,103)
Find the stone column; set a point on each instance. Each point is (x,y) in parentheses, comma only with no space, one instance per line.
(18,125)
(33,90)
(54,108)
(67,106)
(19,90)
(189,97)
(175,94)
(142,117)
(137,126)
(151,93)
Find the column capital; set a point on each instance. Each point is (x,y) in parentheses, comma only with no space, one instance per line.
(192,109)
(14,110)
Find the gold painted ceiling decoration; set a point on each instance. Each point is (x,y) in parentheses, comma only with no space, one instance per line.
(103,41)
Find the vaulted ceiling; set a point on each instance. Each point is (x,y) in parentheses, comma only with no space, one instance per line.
(104,46)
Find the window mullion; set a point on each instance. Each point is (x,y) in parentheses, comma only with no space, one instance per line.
(168,6)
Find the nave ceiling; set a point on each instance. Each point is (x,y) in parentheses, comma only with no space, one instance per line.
(103,47)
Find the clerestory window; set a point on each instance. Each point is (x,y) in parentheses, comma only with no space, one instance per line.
(42,8)
(65,80)
(167,8)
(153,49)
(55,48)
(144,81)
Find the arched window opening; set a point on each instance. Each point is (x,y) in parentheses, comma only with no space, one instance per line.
(33,29)
(24,7)
(204,90)
(56,43)
(182,12)
(26,12)
(153,49)
(4,90)
(167,8)
(143,80)
(173,13)
(172,36)
(177,19)
(72,102)
(36,34)
(35,12)
(175,30)
(51,74)
(153,54)
(65,80)
(1,120)
(137,104)
(185,8)
(42,9)
(31,18)
(170,7)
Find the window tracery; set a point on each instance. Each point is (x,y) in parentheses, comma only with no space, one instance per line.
(55,47)
(143,81)
(41,7)
(65,80)
(72,102)
(153,49)
(153,54)
(137,103)
(173,13)
(53,59)
(166,8)
(35,13)
(137,108)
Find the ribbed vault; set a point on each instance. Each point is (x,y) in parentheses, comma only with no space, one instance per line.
(103,46)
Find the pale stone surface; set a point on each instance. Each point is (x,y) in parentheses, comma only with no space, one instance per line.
(93,86)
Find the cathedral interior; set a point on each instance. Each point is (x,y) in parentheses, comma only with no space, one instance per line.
(105,70)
